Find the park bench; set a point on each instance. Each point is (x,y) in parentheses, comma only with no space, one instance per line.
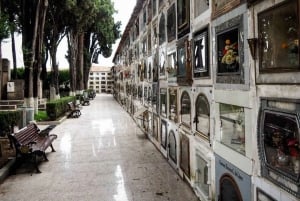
(84,100)
(30,143)
(91,94)
(74,111)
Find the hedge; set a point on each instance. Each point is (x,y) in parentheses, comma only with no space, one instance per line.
(9,119)
(59,107)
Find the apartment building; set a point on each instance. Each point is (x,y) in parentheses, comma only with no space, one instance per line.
(214,84)
(100,79)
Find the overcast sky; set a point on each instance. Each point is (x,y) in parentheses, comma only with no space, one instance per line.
(124,10)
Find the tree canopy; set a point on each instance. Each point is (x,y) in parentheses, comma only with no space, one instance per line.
(88,24)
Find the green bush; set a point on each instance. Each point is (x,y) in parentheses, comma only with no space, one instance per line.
(8,119)
(41,116)
(59,107)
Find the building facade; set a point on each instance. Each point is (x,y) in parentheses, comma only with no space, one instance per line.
(100,79)
(215,86)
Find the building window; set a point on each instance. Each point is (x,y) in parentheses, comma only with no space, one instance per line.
(185,109)
(279,50)
(173,104)
(233,127)
(171,23)
(172,147)
(102,82)
(162,29)
(201,179)
(278,137)
(163,102)
(91,73)
(200,56)
(183,17)
(202,118)
(163,134)
(200,6)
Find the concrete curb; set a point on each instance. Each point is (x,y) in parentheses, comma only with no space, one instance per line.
(4,171)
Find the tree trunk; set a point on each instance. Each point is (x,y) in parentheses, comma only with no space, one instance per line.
(72,57)
(30,25)
(13,50)
(87,60)
(41,10)
(79,66)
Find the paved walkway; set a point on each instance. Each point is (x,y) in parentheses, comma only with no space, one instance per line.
(100,156)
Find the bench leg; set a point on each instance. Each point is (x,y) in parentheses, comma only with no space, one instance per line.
(45,157)
(52,148)
(36,164)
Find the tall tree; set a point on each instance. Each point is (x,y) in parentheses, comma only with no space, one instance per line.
(32,17)
(54,33)
(4,33)
(91,32)
(100,36)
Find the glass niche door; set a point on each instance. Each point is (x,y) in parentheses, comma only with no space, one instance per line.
(185,107)
(172,147)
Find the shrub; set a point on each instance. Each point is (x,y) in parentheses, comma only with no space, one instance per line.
(59,107)
(9,119)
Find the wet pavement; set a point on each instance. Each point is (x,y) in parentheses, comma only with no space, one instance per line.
(102,156)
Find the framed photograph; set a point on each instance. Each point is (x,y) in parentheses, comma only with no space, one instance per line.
(200,54)
(228,51)
(183,17)
(220,7)
(171,25)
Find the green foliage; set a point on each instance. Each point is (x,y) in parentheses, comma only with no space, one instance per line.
(64,76)
(59,107)
(8,119)
(4,27)
(41,116)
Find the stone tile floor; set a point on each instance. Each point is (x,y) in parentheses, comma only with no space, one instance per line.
(101,156)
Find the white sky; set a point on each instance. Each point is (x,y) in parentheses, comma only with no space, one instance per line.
(124,9)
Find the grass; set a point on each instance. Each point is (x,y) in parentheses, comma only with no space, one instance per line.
(41,116)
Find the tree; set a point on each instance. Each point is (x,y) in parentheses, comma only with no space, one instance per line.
(54,33)
(32,18)
(4,33)
(92,31)
(100,36)
(11,9)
